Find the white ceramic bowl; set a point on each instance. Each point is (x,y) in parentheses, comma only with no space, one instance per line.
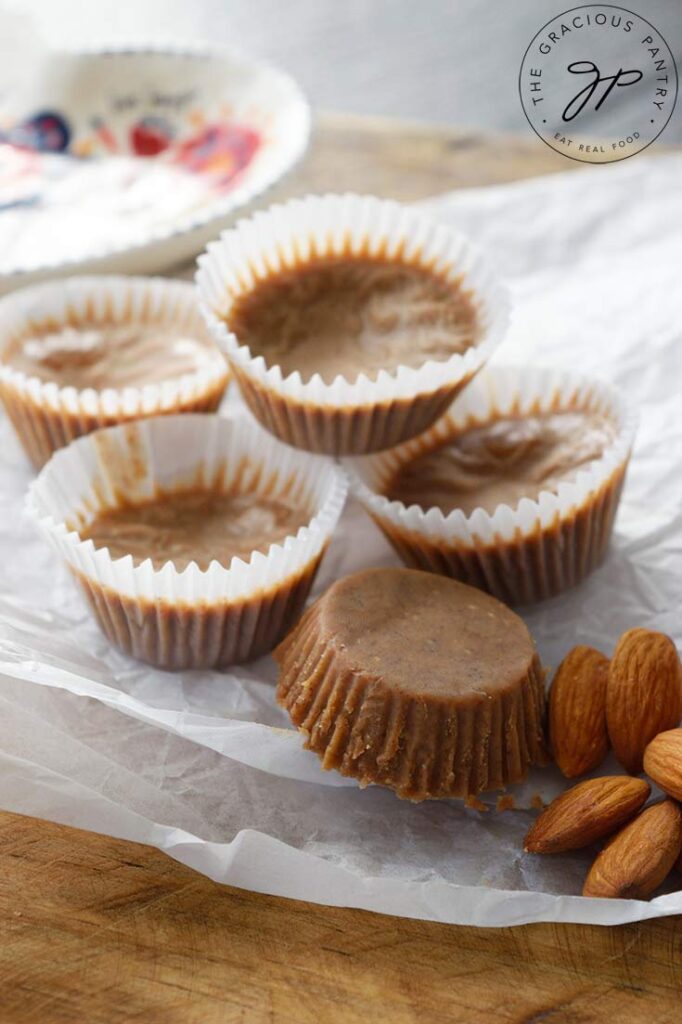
(174,141)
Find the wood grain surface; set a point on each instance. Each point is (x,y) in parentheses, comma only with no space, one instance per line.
(411,160)
(95,930)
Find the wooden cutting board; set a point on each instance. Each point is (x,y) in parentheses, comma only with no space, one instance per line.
(95,930)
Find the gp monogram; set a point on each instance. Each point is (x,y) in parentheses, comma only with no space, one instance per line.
(598,83)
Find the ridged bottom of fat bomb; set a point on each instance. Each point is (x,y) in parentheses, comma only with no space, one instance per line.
(352,431)
(42,430)
(529,567)
(202,636)
(421,750)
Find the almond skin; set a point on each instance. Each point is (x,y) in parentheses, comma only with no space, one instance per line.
(586,812)
(577,712)
(643,693)
(636,861)
(663,762)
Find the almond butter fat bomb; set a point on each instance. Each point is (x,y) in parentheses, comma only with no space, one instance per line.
(84,353)
(416,682)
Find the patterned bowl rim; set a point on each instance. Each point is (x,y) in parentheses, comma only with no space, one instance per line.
(291,151)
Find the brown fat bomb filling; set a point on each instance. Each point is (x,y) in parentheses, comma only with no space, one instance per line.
(110,356)
(354,315)
(197,526)
(502,462)
(425,634)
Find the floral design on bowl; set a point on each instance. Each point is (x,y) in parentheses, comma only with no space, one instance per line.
(132,159)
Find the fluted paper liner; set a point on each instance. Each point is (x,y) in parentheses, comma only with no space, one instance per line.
(194,618)
(530,552)
(359,415)
(46,416)
(421,749)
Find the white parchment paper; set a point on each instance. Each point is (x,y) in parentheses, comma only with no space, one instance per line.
(205,766)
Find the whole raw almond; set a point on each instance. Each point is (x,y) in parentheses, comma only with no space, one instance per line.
(636,861)
(577,711)
(643,693)
(586,812)
(663,761)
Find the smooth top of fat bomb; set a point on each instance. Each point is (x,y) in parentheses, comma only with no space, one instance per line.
(424,635)
(195,526)
(112,355)
(503,461)
(349,315)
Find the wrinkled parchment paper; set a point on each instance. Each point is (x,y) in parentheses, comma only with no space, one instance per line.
(204,766)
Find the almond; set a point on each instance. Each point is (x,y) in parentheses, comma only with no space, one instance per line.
(663,761)
(577,711)
(643,694)
(637,860)
(586,812)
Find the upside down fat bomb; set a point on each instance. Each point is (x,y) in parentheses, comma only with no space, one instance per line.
(415,682)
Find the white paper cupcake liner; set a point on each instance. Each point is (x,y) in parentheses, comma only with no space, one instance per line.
(347,416)
(46,416)
(193,618)
(542,546)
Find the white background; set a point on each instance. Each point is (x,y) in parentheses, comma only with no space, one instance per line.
(455,61)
